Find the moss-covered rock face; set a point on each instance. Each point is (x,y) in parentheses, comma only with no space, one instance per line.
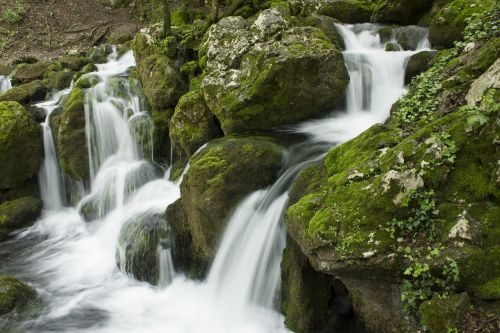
(369,211)
(30,72)
(300,65)
(71,142)
(27,93)
(400,11)
(448,23)
(18,213)
(219,176)
(192,125)
(15,296)
(162,83)
(418,63)
(349,11)
(439,315)
(21,148)
(138,246)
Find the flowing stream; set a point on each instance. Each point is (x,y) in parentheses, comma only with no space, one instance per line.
(4,84)
(73,263)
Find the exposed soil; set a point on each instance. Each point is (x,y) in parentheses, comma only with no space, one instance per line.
(45,29)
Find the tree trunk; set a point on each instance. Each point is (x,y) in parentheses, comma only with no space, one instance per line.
(215,11)
(166,18)
(234,6)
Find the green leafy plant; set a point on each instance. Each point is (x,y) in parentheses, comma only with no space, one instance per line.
(420,283)
(15,14)
(422,215)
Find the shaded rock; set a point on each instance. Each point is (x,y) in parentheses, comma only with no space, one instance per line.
(192,125)
(27,93)
(348,11)
(302,67)
(18,213)
(219,176)
(418,63)
(15,298)
(138,246)
(70,138)
(58,80)
(386,33)
(400,11)
(29,72)
(410,36)
(75,63)
(440,314)
(448,24)
(21,147)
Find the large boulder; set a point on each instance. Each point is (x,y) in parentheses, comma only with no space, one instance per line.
(418,63)
(27,93)
(70,138)
(348,11)
(25,73)
(15,298)
(245,61)
(21,147)
(18,213)
(162,84)
(447,25)
(219,176)
(400,11)
(192,125)
(138,246)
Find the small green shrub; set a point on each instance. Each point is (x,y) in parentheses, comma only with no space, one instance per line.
(15,14)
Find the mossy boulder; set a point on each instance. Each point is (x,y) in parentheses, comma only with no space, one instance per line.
(70,137)
(162,82)
(5,70)
(73,62)
(303,68)
(441,314)
(58,79)
(25,73)
(410,36)
(138,246)
(192,125)
(18,213)
(27,93)
(15,298)
(327,25)
(400,11)
(418,63)
(21,145)
(219,176)
(447,25)
(349,11)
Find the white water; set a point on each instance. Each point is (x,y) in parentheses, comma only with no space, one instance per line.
(376,82)
(4,84)
(74,268)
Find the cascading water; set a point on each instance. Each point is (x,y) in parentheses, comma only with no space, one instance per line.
(4,84)
(73,263)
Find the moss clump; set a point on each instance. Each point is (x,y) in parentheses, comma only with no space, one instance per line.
(480,273)
(192,125)
(439,315)
(18,213)
(21,148)
(349,11)
(71,141)
(13,294)
(139,242)
(403,12)
(27,93)
(448,24)
(219,176)
(30,72)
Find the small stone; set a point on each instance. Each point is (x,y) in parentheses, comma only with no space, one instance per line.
(355,175)
(461,229)
(369,254)
(400,158)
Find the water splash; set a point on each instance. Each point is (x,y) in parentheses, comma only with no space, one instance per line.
(5,83)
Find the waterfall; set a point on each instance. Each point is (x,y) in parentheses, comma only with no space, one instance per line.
(4,84)
(51,186)
(75,266)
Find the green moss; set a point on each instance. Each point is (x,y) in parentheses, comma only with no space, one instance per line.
(14,294)
(402,12)
(27,93)
(19,213)
(71,142)
(480,273)
(21,148)
(219,176)
(349,11)
(30,72)
(440,314)
(448,24)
